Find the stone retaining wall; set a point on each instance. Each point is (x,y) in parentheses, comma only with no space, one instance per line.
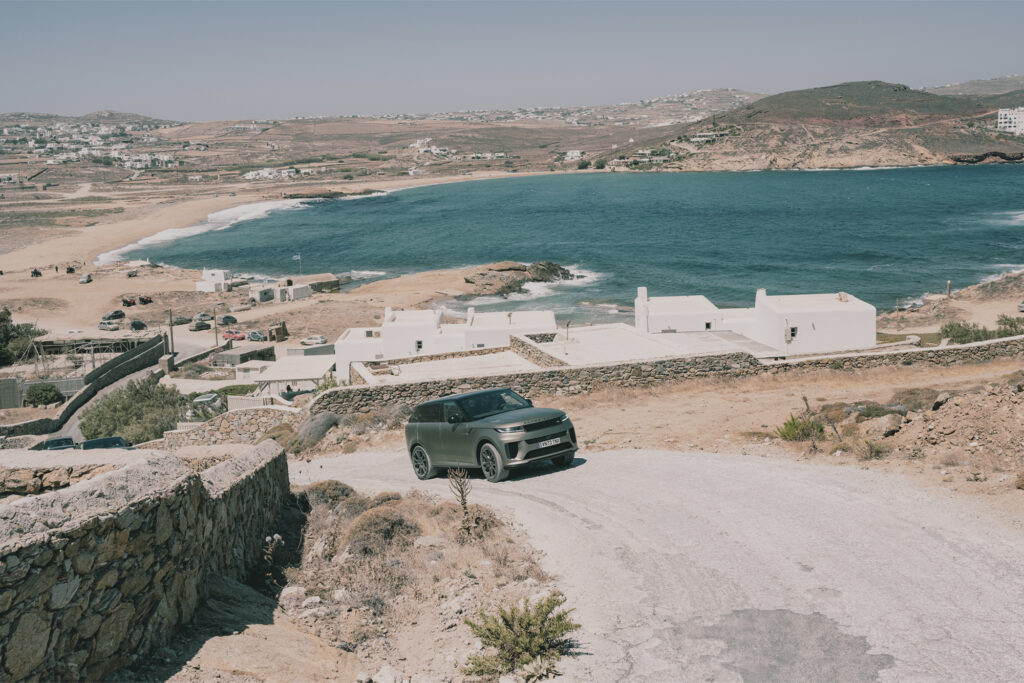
(567,380)
(528,349)
(574,380)
(94,576)
(246,425)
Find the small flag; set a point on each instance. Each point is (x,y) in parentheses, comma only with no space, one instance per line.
(297,257)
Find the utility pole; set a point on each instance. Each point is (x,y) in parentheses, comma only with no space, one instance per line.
(170,327)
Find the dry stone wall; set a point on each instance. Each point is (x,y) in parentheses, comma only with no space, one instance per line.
(574,380)
(246,425)
(94,576)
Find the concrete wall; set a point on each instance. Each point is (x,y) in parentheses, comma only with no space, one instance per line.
(246,425)
(96,575)
(574,380)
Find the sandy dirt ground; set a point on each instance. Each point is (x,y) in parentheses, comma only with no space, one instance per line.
(701,566)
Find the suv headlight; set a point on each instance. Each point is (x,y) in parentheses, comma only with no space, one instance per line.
(564,418)
(509,430)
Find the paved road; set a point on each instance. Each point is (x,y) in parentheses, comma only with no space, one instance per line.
(717,567)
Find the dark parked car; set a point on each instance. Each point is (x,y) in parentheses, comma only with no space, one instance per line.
(496,430)
(227,320)
(105,442)
(180,320)
(59,444)
(197,325)
(138,325)
(145,300)
(116,314)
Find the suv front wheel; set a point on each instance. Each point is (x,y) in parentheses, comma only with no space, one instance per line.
(421,463)
(492,464)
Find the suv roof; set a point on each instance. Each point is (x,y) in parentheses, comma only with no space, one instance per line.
(449,397)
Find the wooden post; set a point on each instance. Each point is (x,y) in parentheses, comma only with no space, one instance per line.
(949,284)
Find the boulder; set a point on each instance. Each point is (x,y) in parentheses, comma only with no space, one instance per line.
(881,427)
(941,400)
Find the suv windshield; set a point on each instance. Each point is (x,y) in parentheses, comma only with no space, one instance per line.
(479,406)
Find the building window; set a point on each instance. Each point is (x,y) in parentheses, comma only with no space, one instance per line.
(479,346)
(707,326)
(792,333)
(369,333)
(419,346)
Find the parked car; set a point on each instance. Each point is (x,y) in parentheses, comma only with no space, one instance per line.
(314,340)
(257,336)
(197,325)
(109,325)
(227,320)
(180,320)
(496,430)
(132,273)
(85,279)
(234,335)
(127,302)
(106,442)
(62,443)
(202,316)
(138,326)
(145,300)
(115,314)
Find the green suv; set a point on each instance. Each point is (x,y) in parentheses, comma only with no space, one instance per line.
(496,430)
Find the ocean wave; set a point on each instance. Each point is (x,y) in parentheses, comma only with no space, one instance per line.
(365,274)
(541,290)
(218,220)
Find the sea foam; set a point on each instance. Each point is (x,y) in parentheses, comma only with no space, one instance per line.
(218,220)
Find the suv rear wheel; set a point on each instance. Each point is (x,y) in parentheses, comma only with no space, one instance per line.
(421,463)
(491,463)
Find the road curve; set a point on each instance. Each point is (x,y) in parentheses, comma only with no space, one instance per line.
(689,566)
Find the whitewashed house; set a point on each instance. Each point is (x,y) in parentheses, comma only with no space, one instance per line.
(406,334)
(1011,120)
(214,280)
(792,324)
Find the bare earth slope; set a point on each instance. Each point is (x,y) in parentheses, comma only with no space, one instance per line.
(688,566)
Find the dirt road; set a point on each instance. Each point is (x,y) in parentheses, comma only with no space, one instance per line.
(688,566)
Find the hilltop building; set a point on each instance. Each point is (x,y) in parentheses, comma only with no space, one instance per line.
(1011,120)
(405,334)
(790,324)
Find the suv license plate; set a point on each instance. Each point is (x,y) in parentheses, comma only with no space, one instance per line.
(549,442)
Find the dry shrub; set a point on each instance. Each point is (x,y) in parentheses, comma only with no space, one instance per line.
(378,529)
(328,492)
(850,430)
(284,434)
(384,498)
(1020,482)
(870,410)
(917,399)
(312,430)
(872,450)
(835,412)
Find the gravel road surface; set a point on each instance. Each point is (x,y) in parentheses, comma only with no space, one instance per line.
(689,566)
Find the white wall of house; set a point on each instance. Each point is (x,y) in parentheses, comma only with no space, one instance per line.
(405,334)
(793,324)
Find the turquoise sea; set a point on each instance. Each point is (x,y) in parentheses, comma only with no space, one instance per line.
(884,235)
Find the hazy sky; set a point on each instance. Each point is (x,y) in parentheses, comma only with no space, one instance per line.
(220,60)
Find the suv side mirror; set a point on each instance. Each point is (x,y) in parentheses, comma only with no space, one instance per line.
(529,403)
(453,419)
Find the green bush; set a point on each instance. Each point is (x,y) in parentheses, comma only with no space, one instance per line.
(140,411)
(801,429)
(964,333)
(377,529)
(600,163)
(43,394)
(1009,327)
(583,164)
(522,637)
(15,338)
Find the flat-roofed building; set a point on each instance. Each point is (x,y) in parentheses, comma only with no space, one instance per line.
(796,324)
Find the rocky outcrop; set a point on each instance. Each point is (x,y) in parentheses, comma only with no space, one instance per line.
(987,158)
(508,277)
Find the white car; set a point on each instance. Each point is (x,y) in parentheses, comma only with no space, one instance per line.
(314,340)
(1020,307)
(109,325)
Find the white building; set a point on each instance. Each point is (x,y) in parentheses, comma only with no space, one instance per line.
(405,334)
(1011,120)
(792,324)
(213,280)
(573,155)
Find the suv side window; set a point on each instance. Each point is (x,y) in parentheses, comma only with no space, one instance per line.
(450,408)
(429,413)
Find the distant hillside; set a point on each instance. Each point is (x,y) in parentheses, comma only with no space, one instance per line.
(1004,101)
(105,116)
(987,86)
(866,103)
